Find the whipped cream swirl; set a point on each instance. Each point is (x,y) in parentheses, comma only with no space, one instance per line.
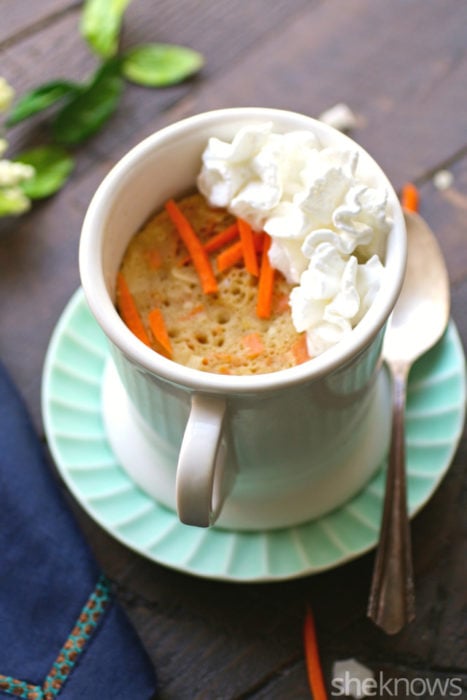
(327,223)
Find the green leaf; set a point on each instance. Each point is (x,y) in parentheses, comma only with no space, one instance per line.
(84,115)
(39,99)
(159,65)
(53,166)
(100,25)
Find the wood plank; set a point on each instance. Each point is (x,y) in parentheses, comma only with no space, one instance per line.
(29,62)
(446,211)
(38,273)
(223,32)
(231,30)
(450,651)
(22,16)
(390,72)
(220,629)
(289,682)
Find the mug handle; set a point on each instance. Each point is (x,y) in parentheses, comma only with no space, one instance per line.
(201,482)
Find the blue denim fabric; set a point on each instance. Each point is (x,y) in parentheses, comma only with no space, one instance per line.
(47,574)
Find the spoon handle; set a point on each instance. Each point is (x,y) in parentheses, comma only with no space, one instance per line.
(392,603)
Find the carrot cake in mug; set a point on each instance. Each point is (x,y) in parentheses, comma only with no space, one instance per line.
(275,258)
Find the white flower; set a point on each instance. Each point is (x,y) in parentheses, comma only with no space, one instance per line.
(12,198)
(13,201)
(12,174)
(6,95)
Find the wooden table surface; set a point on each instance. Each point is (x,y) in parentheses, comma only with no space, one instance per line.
(401,66)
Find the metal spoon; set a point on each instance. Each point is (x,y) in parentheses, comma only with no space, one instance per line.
(417,323)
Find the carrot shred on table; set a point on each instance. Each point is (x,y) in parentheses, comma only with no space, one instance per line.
(248,245)
(410,197)
(300,350)
(128,310)
(253,344)
(195,247)
(312,660)
(266,282)
(159,331)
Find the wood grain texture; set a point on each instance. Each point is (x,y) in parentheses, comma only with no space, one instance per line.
(390,62)
(20,17)
(402,68)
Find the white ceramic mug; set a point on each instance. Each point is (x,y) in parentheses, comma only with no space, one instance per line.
(249,452)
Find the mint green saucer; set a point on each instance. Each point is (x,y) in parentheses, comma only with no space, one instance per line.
(71,401)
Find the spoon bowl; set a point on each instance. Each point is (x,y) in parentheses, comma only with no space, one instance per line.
(422,310)
(418,321)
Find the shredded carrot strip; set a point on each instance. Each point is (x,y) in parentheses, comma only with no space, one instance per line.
(217,241)
(313,663)
(234,254)
(300,350)
(194,246)
(230,256)
(266,282)
(129,311)
(410,197)
(249,254)
(253,344)
(159,330)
